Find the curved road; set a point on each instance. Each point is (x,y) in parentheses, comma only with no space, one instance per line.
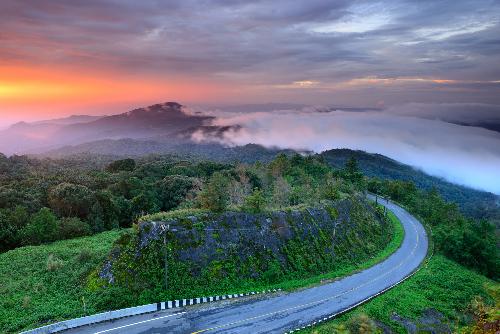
(284,312)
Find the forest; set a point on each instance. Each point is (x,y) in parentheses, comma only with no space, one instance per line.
(43,200)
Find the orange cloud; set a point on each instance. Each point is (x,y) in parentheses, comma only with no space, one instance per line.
(33,92)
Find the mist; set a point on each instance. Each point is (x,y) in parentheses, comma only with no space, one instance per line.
(468,156)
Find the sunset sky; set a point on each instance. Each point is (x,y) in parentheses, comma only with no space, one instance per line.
(102,57)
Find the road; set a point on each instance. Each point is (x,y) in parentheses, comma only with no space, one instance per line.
(287,311)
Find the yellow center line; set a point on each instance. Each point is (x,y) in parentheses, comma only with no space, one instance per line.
(321,300)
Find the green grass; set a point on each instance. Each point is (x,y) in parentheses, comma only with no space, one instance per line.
(440,284)
(34,292)
(45,284)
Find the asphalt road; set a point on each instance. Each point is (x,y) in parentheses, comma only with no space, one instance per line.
(287,311)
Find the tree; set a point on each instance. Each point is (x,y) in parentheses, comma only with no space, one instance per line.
(72,228)
(352,173)
(255,203)
(71,200)
(173,189)
(121,165)
(281,192)
(215,195)
(145,203)
(42,227)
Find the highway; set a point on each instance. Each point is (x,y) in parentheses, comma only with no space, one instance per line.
(281,313)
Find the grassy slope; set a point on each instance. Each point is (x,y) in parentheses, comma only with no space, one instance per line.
(441,284)
(50,296)
(32,295)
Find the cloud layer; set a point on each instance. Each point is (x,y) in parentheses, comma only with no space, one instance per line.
(464,155)
(317,51)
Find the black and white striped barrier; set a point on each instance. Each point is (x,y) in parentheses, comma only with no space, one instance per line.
(128,312)
(193,301)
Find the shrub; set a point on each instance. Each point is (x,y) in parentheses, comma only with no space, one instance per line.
(53,263)
(73,228)
(84,256)
(26,302)
(362,324)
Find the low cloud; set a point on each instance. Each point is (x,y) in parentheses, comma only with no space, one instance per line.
(465,155)
(462,113)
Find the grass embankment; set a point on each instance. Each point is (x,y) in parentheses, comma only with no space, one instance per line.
(441,284)
(45,284)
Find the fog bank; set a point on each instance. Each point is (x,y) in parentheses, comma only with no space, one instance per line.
(465,155)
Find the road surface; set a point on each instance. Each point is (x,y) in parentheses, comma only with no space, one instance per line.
(287,311)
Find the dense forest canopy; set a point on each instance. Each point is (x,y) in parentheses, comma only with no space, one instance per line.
(42,200)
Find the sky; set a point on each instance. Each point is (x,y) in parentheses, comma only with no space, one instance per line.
(104,57)
(422,64)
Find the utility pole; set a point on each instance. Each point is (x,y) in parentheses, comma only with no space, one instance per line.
(165,229)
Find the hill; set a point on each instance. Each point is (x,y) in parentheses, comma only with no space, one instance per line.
(474,203)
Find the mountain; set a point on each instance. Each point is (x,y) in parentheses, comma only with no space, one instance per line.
(167,119)
(73,119)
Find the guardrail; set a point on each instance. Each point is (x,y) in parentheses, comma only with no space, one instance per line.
(128,312)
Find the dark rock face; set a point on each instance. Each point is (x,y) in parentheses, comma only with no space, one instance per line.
(312,239)
(244,232)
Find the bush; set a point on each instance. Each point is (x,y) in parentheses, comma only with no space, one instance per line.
(54,263)
(362,324)
(41,228)
(72,228)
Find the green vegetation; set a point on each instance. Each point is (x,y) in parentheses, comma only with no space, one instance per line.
(469,242)
(49,283)
(441,284)
(46,200)
(45,284)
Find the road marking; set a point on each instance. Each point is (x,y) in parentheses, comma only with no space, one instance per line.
(329,298)
(137,323)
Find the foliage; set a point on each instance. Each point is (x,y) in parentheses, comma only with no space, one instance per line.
(255,202)
(121,165)
(215,196)
(58,281)
(473,203)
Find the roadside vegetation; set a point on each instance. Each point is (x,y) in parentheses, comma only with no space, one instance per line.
(43,284)
(467,302)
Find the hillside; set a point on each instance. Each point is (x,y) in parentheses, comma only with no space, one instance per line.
(474,203)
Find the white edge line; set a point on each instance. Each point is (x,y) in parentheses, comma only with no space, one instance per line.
(140,322)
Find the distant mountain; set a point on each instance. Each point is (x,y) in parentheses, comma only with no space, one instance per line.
(73,119)
(167,119)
